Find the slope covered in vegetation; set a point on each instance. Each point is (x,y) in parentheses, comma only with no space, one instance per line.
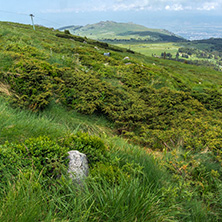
(110,31)
(54,84)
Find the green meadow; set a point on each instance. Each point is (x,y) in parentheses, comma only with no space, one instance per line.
(150,49)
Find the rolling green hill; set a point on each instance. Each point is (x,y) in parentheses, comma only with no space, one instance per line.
(123,32)
(151,129)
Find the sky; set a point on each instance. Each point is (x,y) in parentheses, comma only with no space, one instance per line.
(174,15)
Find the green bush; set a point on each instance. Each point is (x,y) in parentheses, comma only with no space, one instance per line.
(92,146)
(116,170)
(67,32)
(10,163)
(210,98)
(46,155)
(42,154)
(32,83)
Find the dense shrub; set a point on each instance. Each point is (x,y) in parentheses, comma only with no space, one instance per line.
(210,98)
(41,154)
(68,36)
(32,83)
(67,32)
(92,146)
(82,91)
(201,174)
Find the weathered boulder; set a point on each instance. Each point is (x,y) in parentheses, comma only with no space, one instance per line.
(78,166)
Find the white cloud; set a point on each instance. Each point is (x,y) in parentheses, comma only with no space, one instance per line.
(170,5)
(123,5)
(175,7)
(139,5)
(58,10)
(133,6)
(208,6)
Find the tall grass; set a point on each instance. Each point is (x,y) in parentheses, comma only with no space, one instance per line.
(127,201)
(24,201)
(55,122)
(18,125)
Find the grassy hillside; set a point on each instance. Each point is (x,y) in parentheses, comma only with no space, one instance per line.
(151,129)
(122,32)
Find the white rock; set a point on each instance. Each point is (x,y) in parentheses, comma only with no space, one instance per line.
(107,54)
(78,165)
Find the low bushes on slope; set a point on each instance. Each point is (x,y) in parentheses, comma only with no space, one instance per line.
(153,116)
(41,154)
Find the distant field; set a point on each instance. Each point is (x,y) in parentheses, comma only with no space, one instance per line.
(150,49)
(156,49)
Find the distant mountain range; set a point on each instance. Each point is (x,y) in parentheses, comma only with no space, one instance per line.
(123,32)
